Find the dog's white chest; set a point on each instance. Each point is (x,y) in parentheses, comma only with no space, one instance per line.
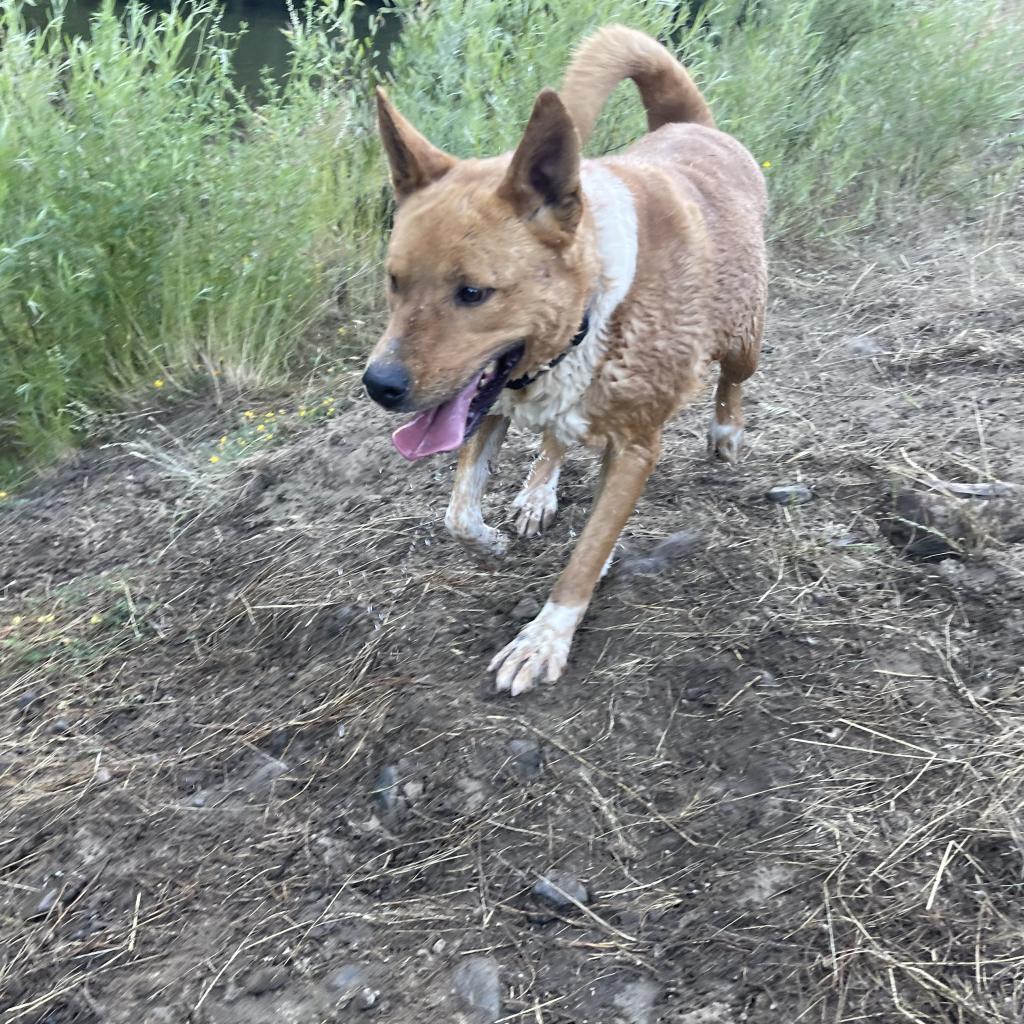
(557,400)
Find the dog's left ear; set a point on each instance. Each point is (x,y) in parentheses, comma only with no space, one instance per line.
(543,180)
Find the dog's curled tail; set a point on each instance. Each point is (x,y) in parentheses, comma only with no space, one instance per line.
(616,52)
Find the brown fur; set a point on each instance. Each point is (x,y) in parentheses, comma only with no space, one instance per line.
(521,224)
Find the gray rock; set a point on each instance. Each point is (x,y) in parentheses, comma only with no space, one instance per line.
(790,494)
(386,788)
(262,780)
(46,904)
(636,1001)
(561,890)
(30,701)
(478,985)
(527,608)
(367,998)
(413,791)
(346,980)
(265,979)
(673,549)
(474,794)
(527,758)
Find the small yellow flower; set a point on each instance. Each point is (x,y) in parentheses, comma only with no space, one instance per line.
(96,620)
(270,415)
(270,437)
(302,412)
(215,458)
(223,441)
(248,414)
(281,412)
(3,494)
(343,331)
(16,621)
(158,383)
(44,619)
(767,165)
(260,429)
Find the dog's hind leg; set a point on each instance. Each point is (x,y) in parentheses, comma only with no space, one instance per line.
(725,435)
(464,518)
(537,502)
(541,649)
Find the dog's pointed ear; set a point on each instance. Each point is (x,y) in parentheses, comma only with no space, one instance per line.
(415,162)
(543,180)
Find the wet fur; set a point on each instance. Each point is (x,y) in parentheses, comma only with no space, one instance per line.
(528,224)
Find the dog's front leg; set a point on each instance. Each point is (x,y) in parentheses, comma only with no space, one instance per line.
(464,518)
(542,648)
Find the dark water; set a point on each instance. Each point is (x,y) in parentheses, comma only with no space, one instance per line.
(262,45)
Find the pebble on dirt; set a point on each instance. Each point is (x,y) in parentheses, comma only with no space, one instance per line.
(478,985)
(265,979)
(561,890)
(385,790)
(527,758)
(673,549)
(636,1001)
(527,608)
(790,494)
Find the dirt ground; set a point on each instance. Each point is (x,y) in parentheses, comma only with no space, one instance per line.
(252,769)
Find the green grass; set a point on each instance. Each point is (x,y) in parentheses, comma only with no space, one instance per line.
(157,224)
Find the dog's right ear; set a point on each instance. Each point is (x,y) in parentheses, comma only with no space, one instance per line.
(415,162)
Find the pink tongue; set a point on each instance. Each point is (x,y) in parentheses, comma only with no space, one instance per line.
(441,429)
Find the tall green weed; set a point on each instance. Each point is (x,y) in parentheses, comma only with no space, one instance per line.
(153,219)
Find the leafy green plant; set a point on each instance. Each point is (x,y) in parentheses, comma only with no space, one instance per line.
(155,223)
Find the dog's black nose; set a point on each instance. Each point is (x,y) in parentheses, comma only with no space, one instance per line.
(387,383)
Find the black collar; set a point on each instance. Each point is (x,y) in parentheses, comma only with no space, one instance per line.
(529,378)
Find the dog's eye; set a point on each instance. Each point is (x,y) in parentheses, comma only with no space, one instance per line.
(467,295)
(393,282)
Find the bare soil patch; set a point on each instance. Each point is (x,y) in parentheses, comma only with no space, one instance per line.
(252,769)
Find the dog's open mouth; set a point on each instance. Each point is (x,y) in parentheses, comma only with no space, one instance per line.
(446,426)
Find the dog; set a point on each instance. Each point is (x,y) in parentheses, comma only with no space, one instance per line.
(583,299)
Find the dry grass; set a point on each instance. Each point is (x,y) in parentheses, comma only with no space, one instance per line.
(788,768)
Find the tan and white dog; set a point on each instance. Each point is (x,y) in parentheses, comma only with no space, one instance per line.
(581,298)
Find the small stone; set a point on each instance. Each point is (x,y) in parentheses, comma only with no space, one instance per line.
(29,701)
(439,947)
(673,549)
(527,608)
(527,758)
(561,890)
(412,791)
(59,726)
(102,776)
(277,742)
(385,790)
(478,986)
(636,1001)
(340,731)
(46,904)
(790,494)
(263,778)
(265,979)
(474,794)
(367,998)
(346,980)
(199,799)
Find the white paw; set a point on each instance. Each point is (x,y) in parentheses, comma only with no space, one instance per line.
(725,441)
(536,507)
(540,651)
(476,535)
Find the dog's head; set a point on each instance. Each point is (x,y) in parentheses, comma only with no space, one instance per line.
(487,268)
